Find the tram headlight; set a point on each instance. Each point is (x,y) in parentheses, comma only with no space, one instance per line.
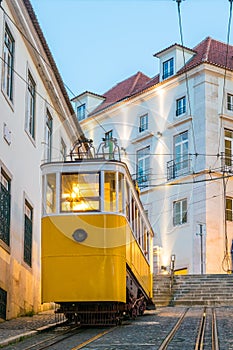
(79,235)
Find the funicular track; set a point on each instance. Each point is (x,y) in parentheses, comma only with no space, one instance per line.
(69,333)
(205,337)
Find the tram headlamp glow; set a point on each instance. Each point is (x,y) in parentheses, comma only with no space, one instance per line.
(79,235)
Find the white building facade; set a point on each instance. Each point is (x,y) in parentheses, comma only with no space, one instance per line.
(37,124)
(175,132)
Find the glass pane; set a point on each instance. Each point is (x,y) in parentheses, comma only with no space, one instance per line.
(184,136)
(184,211)
(27,240)
(80,192)
(229,209)
(127,201)
(176,213)
(228,133)
(121,189)
(51,194)
(229,203)
(110,191)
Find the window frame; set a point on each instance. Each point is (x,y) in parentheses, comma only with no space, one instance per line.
(143,122)
(28,233)
(228,151)
(30,119)
(48,135)
(8,64)
(96,199)
(182,213)
(181,158)
(229,211)
(145,168)
(230,102)
(180,106)
(5,193)
(168,68)
(81,112)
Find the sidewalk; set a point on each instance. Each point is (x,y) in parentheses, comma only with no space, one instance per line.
(13,330)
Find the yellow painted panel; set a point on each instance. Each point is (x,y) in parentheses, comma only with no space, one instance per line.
(82,278)
(181,272)
(103,230)
(73,271)
(139,266)
(92,270)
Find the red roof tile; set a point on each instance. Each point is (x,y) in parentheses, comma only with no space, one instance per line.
(208,51)
(213,52)
(124,89)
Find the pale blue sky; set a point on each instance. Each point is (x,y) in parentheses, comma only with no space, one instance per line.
(98,43)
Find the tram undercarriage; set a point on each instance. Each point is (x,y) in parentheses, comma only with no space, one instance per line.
(108,313)
(102,314)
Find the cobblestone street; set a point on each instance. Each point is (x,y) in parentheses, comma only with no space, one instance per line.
(146,332)
(25,326)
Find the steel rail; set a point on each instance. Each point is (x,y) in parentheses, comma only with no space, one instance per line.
(50,342)
(215,343)
(200,337)
(170,336)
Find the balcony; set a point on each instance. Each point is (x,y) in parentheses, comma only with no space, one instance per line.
(143,178)
(178,167)
(226,162)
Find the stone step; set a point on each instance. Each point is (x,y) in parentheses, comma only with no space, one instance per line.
(193,290)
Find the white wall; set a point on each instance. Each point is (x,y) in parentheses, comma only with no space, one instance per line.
(204,197)
(21,160)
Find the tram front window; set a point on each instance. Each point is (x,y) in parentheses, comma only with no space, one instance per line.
(80,192)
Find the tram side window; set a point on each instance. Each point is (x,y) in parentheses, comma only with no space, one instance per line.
(121,191)
(133,214)
(145,240)
(110,191)
(50,204)
(80,192)
(148,244)
(127,201)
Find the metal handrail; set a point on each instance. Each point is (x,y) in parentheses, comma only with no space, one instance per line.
(176,167)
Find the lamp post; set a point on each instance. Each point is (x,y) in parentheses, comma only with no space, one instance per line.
(200,233)
(173,258)
(172,266)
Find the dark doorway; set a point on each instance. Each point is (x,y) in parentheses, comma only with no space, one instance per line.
(3,299)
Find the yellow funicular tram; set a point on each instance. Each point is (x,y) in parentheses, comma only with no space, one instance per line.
(97,243)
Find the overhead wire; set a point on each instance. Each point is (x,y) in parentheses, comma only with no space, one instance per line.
(225,72)
(185,72)
(36,91)
(183,192)
(172,154)
(225,178)
(226,263)
(181,183)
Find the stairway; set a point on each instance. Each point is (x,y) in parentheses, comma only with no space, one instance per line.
(192,290)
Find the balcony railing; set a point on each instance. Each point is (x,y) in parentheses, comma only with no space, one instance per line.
(226,162)
(143,178)
(178,167)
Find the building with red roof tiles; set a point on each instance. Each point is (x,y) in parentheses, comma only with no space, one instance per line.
(175,132)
